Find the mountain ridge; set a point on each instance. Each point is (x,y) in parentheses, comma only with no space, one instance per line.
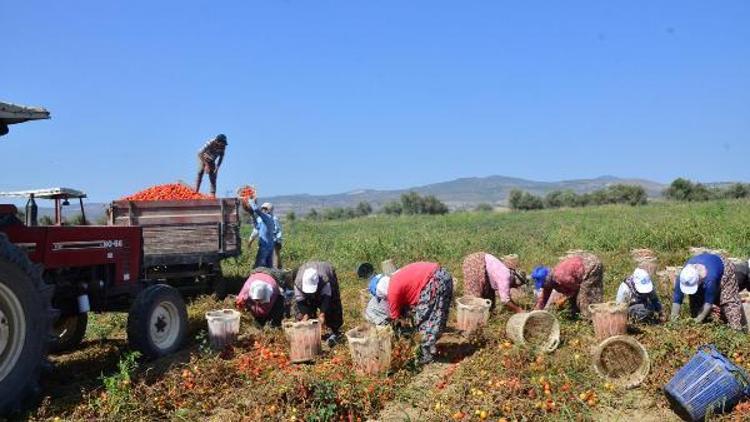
(460,193)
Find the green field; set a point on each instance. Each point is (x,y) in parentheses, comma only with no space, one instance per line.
(496,381)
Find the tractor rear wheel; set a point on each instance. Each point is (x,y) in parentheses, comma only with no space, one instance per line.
(69,332)
(157,322)
(26,317)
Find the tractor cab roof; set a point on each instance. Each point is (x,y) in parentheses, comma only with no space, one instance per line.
(49,193)
(14,113)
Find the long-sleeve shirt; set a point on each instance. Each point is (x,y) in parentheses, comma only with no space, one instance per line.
(710,287)
(212,150)
(627,294)
(407,284)
(499,276)
(257,308)
(264,223)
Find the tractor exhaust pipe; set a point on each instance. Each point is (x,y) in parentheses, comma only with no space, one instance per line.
(31,211)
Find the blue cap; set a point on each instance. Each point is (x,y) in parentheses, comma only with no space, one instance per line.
(373,286)
(540,274)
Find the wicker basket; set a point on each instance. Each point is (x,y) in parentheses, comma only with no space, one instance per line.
(537,329)
(610,319)
(388,267)
(648,264)
(669,275)
(304,340)
(745,298)
(622,360)
(697,250)
(639,254)
(472,313)
(370,347)
(511,261)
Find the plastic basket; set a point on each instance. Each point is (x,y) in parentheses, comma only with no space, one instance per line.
(523,330)
(622,360)
(223,327)
(472,313)
(370,347)
(304,340)
(610,319)
(708,384)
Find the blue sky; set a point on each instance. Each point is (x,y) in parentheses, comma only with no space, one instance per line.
(331,96)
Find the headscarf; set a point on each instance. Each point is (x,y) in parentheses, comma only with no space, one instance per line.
(539,274)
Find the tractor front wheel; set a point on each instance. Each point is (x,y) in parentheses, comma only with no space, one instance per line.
(157,322)
(69,332)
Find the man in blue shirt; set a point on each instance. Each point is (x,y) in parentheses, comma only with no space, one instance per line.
(711,283)
(266,227)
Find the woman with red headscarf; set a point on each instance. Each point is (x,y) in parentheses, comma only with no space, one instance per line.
(579,277)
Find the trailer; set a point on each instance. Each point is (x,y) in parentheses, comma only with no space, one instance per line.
(184,241)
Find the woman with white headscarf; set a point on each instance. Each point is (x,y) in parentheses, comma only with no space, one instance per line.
(710,281)
(261,296)
(316,292)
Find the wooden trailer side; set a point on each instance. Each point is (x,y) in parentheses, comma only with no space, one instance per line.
(182,232)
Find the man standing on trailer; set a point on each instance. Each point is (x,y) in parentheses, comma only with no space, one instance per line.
(209,161)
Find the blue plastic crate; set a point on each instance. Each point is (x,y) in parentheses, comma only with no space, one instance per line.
(708,383)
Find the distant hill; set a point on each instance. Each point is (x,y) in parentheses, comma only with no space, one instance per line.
(461,193)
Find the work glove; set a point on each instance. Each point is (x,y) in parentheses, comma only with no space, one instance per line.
(675,315)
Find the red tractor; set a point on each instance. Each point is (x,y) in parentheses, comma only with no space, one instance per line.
(140,262)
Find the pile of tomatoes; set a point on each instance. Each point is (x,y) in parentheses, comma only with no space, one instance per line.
(167,192)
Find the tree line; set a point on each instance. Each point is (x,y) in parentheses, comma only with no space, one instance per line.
(685,190)
(679,190)
(615,194)
(408,204)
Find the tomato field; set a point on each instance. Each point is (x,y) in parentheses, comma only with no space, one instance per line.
(485,377)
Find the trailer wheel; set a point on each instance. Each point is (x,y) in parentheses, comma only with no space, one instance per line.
(157,321)
(26,317)
(69,331)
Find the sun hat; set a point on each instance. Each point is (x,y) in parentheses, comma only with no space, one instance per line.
(642,281)
(260,291)
(689,278)
(382,289)
(310,281)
